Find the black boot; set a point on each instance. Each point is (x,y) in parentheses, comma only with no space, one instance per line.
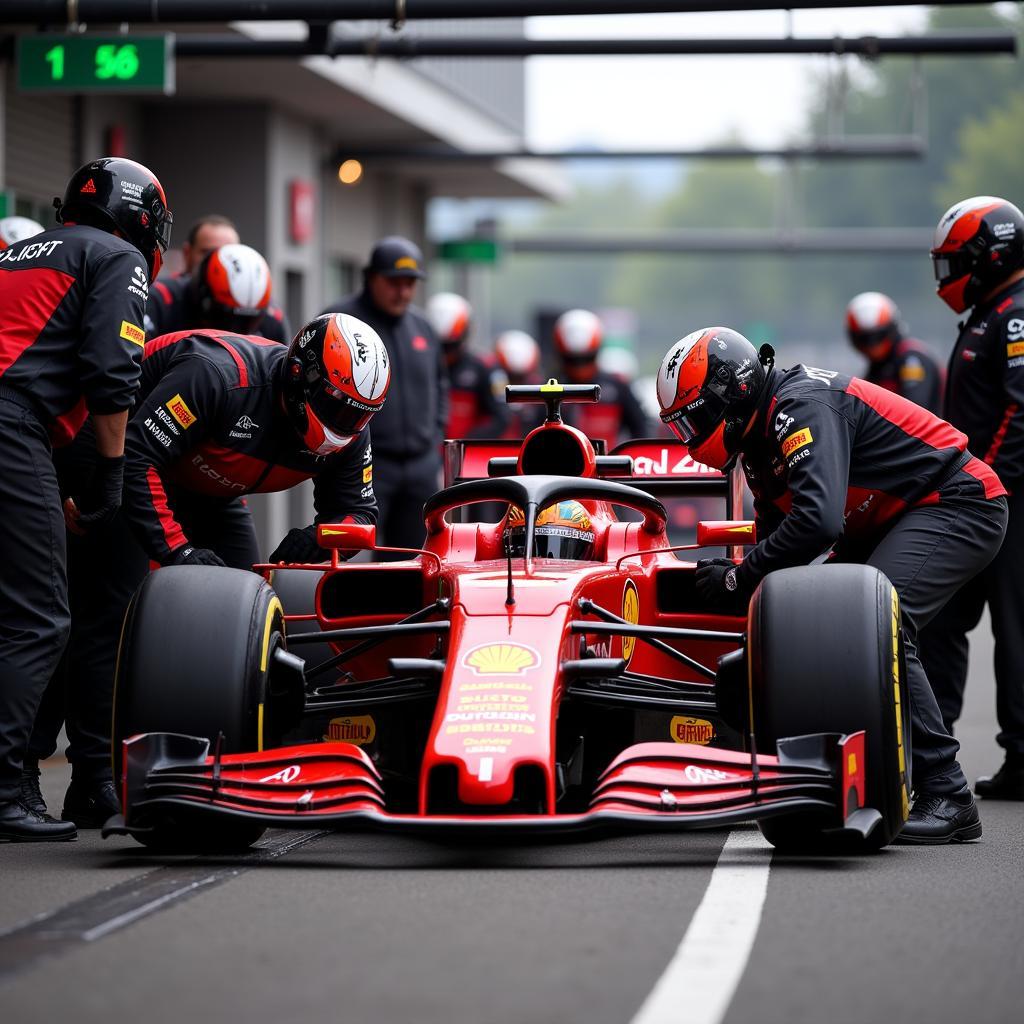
(31,795)
(90,803)
(19,824)
(938,818)
(1007,783)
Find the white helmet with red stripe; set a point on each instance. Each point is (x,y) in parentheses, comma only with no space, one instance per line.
(336,377)
(17,229)
(978,243)
(873,325)
(449,314)
(232,288)
(578,337)
(517,354)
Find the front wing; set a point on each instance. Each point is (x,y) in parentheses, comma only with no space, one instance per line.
(172,780)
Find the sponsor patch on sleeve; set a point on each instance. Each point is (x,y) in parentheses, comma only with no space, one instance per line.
(1015,348)
(796,440)
(181,412)
(367,474)
(136,335)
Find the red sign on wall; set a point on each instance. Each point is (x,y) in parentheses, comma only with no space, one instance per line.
(302,205)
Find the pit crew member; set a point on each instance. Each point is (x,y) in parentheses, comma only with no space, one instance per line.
(838,463)
(221,416)
(228,284)
(895,362)
(618,416)
(407,435)
(476,391)
(71,306)
(518,356)
(205,235)
(978,256)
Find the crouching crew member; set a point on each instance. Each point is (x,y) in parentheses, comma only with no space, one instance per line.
(978,257)
(220,416)
(71,307)
(476,391)
(231,284)
(836,462)
(895,362)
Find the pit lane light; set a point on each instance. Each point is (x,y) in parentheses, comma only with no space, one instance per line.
(350,172)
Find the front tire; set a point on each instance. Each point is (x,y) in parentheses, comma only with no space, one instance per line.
(196,652)
(826,656)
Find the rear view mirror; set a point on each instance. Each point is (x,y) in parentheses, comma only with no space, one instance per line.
(347,536)
(723,533)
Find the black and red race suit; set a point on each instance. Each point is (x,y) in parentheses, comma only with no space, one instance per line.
(985,399)
(476,398)
(617,417)
(209,423)
(71,306)
(838,463)
(913,371)
(72,301)
(171,308)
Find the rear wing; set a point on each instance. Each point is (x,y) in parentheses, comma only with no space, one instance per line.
(660,466)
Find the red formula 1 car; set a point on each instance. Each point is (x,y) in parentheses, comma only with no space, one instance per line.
(465,692)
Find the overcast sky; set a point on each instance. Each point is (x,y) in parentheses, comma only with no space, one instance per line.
(636,102)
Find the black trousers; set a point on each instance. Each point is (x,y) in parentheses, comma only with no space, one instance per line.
(401,487)
(104,570)
(34,616)
(944,646)
(927,556)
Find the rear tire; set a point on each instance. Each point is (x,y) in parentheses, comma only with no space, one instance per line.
(195,655)
(826,656)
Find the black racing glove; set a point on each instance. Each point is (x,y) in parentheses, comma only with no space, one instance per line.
(102,499)
(299,545)
(189,555)
(718,586)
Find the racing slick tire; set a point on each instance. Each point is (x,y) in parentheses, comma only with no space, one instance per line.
(195,655)
(826,655)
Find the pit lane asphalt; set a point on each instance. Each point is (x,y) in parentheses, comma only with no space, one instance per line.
(392,930)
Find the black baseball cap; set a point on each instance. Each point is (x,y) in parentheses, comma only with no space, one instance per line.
(395,256)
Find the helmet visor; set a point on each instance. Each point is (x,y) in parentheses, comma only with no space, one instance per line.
(338,411)
(949,265)
(697,420)
(562,542)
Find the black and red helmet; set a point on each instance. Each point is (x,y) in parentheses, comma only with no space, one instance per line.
(231,288)
(978,243)
(873,325)
(709,386)
(336,377)
(120,195)
(449,314)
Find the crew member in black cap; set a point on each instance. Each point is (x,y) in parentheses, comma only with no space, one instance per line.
(408,431)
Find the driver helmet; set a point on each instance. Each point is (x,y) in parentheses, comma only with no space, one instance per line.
(563,530)
(336,377)
(231,288)
(709,387)
(17,229)
(873,325)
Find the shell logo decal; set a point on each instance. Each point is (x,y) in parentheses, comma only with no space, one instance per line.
(631,613)
(501,659)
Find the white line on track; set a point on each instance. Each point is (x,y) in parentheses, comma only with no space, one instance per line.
(698,984)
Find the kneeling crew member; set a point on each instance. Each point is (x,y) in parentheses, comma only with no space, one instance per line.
(836,462)
(71,306)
